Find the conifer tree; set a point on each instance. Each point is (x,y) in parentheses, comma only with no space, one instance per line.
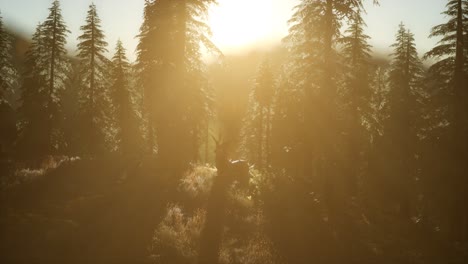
(152,51)
(46,71)
(312,41)
(70,99)
(55,33)
(124,114)
(287,125)
(94,93)
(449,76)
(356,51)
(378,101)
(172,73)
(452,47)
(33,134)
(258,130)
(8,81)
(400,130)
(8,76)
(376,122)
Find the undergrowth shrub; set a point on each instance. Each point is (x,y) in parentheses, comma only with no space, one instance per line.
(197,182)
(177,238)
(22,173)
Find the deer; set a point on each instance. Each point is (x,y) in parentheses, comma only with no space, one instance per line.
(228,172)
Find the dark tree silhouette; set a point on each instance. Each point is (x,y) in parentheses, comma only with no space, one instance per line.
(404,85)
(257,132)
(44,77)
(449,74)
(55,33)
(8,81)
(263,93)
(33,100)
(211,236)
(356,51)
(8,75)
(95,77)
(287,130)
(124,114)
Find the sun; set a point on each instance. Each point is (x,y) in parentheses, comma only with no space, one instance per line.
(237,24)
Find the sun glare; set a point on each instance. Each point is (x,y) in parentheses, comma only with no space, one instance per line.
(241,23)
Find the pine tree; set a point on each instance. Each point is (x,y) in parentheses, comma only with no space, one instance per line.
(356,51)
(288,126)
(314,31)
(46,71)
(33,134)
(55,33)
(70,99)
(172,73)
(378,101)
(152,51)
(8,75)
(376,122)
(452,48)
(8,81)
(94,92)
(197,91)
(124,114)
(258,125)
(400,130)
(312,41)
(449,76)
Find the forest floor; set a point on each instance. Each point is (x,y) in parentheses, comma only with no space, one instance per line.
(107,212)
(82,212)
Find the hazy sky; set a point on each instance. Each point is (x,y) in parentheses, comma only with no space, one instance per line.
(263,21)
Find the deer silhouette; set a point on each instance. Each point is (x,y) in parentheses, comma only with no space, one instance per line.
(227,172)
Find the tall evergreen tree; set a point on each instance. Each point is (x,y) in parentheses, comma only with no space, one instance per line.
(288,126)
(8,81)
(33,134)
(8,76)
(152,52)
(70,99)
(401,125)
(356,51)
(46,71)
(124,113)
(94,93)
(450,76)
(377,118)
(172,74)
(378,101)
(55,33)
(313,36)
(258,125)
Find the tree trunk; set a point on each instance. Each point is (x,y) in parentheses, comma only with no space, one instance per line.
(460,129)
(207,142)
(51,86)
(268,137)
(211,236)
(260,140)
